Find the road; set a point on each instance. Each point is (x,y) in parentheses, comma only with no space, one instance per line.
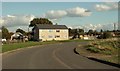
(50,56)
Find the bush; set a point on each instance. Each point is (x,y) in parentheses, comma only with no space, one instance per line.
(107,52)
(105,35)
(93,49)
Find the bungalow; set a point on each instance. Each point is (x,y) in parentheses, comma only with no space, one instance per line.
(46,32)
(17,36)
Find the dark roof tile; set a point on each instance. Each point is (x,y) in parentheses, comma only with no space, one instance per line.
(47,26)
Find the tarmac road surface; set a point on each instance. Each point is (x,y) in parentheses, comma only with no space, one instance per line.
(50,56)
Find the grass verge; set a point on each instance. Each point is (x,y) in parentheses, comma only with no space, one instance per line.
(107,50)
(13,46)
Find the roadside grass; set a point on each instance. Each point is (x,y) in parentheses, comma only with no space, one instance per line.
(76,40)
(13,46)
(104,47)
(108,48)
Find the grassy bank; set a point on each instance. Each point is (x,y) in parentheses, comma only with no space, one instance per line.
(104,49)
(75,40)
(13,46)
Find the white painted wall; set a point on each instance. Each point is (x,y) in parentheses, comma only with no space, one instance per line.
(50,34)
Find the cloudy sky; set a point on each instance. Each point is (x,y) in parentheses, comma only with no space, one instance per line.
(86,15)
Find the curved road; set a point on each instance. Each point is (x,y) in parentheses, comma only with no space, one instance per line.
(50,56)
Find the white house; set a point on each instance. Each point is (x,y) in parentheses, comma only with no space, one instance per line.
(46,32)
(16,35)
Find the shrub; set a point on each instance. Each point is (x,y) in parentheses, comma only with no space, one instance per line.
(93,49)
(105,35)
(107,52)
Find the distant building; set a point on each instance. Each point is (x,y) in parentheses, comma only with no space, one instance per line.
(17,36)
(87,37)
(45,32)
(4,40)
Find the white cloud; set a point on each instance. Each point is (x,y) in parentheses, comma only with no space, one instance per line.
(16,20)
(13,22)
(106,6)
(1,21)
(114,5)
(72,12)
(109,0)
(78,12)
(10,16)
(55,14)
(101,7)
(98,27)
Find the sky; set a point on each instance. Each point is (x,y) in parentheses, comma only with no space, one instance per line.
(84,15)
(59,0)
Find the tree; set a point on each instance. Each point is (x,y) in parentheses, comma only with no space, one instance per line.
(76,32)
(81,31)
(101,31)
(72,31)
(0,32)
(21,31)
(90,32)
(56,24)
(95,32)
(5,33)
(40,21)
(107,35)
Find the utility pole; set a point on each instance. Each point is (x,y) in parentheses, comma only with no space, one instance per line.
(78,32)
(118,26)
(114,26)
(28,29)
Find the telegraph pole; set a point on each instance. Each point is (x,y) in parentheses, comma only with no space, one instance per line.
(114,26)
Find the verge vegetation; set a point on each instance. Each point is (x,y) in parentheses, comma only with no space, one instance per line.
(104,49)
(13,46)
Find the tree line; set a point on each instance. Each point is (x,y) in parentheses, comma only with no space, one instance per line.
(7,35)
(102,34)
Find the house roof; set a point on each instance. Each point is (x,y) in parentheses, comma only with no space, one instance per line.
(17,34)
(47,26)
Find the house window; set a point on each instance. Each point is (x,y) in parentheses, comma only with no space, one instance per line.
(50,36)
(57,30)
(57,36)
